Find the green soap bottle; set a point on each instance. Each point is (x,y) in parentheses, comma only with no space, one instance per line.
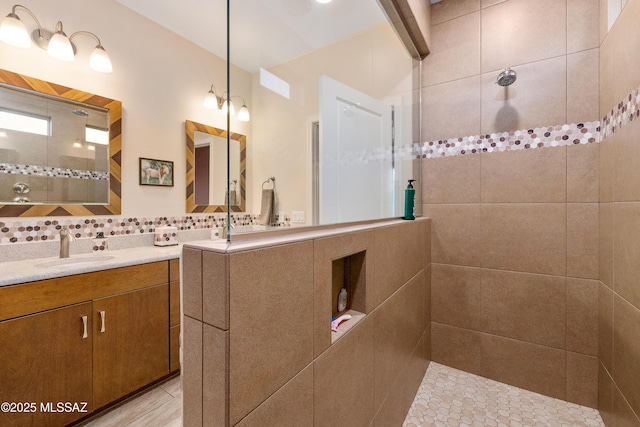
(409,200)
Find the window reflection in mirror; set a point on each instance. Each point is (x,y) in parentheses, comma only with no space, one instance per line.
(52,150)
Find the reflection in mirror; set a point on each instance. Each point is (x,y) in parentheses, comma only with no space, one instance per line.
(59,150)
(207,169)
(211,169)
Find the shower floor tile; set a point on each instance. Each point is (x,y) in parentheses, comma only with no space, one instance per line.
(449,397)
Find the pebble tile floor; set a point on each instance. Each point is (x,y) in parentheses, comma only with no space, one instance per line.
(447,397)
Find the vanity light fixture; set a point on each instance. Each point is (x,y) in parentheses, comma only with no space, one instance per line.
(13,32)
(215,102)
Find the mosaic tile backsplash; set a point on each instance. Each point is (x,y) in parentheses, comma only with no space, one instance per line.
(46,229)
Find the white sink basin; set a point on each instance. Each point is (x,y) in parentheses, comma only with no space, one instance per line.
(78,261)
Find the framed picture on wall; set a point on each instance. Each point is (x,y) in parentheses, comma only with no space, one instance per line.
(156,172)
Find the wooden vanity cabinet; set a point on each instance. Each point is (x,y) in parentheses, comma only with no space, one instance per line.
(46,358)
(130,342)
(47,354)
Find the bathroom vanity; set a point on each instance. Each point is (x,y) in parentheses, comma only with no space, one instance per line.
(72,345)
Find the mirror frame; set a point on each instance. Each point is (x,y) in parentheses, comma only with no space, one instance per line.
(192,207)
(114,207)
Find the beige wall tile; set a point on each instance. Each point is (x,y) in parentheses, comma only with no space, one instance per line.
(582,240)
(537,98)
(582,173)
(415,370)
(444,105)
(215,387)
(582,379)
(261,280)
(607,73)
(454,179)
(605,237)
(623,414)
(192,282)
(325,251)
(583,103)
(456,236)
(487,3)
(454,54)
(538,175)
(626,183)
(291,406)
(398,325)
(527,307)
(456,347)
(605,326)
(582,20)
(215,289)
(582,316)
(450,9)
(192,372)
(605,396)
(521,31)
(626,350)
(626,34)
(397,258)
(529,366)
(392,411)
(606,169)
(456,295)
(426,252)
(352,402)
(626,251)
(527,237)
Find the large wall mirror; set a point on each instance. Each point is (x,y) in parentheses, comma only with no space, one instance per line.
(60,150)
(207,169)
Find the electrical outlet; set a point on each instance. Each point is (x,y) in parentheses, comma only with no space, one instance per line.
(297,216)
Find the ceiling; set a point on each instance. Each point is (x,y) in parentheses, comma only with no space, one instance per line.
(264,33)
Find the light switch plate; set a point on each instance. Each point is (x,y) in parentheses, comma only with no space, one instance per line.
(297,216)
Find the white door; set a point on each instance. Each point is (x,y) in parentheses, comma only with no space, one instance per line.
(356,158)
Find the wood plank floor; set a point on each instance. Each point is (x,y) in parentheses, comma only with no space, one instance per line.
(161,406)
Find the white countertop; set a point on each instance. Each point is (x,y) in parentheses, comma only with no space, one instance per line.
(15,272)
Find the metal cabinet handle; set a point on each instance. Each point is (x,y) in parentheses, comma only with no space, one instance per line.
(85,333)
(102,319)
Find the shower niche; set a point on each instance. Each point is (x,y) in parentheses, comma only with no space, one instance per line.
(348,272)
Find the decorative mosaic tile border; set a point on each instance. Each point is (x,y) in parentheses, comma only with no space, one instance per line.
(621,114)
(52,172)
(45,229)
(552,136)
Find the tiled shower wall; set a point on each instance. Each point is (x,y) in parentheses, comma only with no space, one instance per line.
(515,233)
(619,287)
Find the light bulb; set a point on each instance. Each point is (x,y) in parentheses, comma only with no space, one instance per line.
(230,107)
(60,47)
(99,60)
(13,32)
(243,114)
(211,100)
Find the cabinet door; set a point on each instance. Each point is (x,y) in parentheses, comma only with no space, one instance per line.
(46,359)
(131,343)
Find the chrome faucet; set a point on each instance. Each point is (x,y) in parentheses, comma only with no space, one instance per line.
(65,238)
(225,230)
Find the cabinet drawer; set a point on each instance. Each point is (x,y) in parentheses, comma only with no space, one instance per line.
(34,297)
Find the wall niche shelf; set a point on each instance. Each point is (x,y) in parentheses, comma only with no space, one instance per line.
(349,272)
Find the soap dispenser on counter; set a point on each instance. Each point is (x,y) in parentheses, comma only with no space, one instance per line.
(409,201)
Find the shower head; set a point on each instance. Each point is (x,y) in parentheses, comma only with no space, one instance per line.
(506,77)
